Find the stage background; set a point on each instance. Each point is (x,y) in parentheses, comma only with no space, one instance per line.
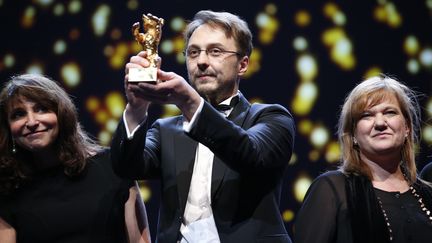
(307,56)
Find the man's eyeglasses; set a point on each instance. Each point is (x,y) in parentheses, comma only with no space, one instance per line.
(211,52)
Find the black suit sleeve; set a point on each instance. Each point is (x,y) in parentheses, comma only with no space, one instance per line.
(264,141)
(137,158)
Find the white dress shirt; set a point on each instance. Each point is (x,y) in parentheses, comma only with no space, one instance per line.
(198,225)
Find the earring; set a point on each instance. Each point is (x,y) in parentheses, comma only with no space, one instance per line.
(355,141)
(14,150)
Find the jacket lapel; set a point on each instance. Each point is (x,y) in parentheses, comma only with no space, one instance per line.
(237,116)
(184,152)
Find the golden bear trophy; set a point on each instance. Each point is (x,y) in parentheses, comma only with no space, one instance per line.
(149,40)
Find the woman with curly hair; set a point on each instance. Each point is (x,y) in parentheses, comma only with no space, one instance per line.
(56,183)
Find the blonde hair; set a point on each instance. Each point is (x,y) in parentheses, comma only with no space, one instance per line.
(368,93)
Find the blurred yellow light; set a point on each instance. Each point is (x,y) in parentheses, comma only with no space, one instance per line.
(167,47)
(330,9)
(332,154)
(58,9)
(28,18)
(288,215)
(9,60)
(302,18)
(429,4)
(341,54)
(121,53)
(179,44)
(43,3)
(115,103)
(380,14)
(314,155)
(101,116)
(135,46)
(116,34)
(271,9)
(254,63)
(411,45)
(304,98)
(307,67)
(427,134)
(413,66)
(394,19)
(343,47)
(372,71)
(35,68)
(293,159)
(319,136)
(111,125)
(301,185)
(178,24)
(70,72)
(331,36)
(268,26)
(305,126)
(104,138)
(429,107)
(426,57)
(145,192)
(108,50)
(74,6)
(262,20)
(132,4)
(339,19)
(100,19)
(59,47)
(300,43)
(180,58)
(170,110)
(92,104)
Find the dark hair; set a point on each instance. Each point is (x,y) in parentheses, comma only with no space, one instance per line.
(73,145)
(233,25)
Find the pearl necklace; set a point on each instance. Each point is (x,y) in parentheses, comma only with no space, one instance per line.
(422,207)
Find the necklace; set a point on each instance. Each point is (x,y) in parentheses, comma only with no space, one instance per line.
(422,207)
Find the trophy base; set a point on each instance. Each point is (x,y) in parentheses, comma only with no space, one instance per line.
(148,74)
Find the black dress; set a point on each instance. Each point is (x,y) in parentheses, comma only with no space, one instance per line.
(324,216)
(55,208)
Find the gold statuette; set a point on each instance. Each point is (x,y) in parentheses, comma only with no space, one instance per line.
(149,40)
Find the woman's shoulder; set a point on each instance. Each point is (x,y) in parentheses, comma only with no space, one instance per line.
(329,183)
(334,177)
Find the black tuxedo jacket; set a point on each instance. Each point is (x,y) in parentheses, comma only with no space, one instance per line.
(252,148)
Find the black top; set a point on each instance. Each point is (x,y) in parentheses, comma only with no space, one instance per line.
(55,208)
(324,215)
(426,173)
(407,221)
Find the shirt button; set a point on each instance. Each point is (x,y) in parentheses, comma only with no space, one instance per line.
(397,195)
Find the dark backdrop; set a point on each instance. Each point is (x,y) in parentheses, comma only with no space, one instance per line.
(307,56)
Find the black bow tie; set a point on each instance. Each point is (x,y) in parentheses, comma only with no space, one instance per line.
(225,107)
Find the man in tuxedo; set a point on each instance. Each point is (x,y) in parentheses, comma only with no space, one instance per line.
(220,162)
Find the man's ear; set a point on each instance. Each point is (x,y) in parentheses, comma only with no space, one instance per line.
(243,65)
